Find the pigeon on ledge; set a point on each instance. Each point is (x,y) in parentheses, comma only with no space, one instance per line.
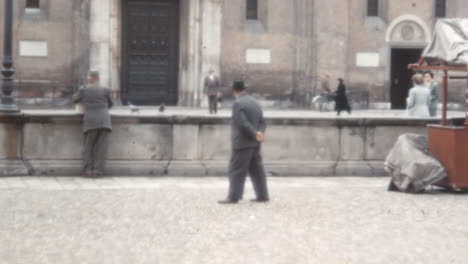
(133,108)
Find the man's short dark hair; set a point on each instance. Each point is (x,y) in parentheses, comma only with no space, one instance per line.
(93,74)
(238,86)
(430,73)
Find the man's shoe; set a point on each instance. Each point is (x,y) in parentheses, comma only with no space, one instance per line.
(88,174)
(263,200)
(98,174)
(228,201)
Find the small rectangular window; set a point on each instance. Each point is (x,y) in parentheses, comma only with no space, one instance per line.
(440,8)
(32,4)
(252,10)
(372,8)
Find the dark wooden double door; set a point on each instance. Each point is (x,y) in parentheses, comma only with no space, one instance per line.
(401,75)
(150,51)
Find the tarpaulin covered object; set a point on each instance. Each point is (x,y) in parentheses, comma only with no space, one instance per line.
(450,42)
(411,166)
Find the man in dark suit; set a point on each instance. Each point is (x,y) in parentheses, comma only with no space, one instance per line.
(97,126)
(247,134)
(211,88)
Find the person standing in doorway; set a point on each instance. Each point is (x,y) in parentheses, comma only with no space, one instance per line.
(419,97)
(341,99)
(211,88)
(434,92)
(97,126)
(247,134)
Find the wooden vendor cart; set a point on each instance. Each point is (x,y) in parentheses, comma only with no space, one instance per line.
(448,143)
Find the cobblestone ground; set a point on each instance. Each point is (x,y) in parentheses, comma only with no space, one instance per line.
(177,220)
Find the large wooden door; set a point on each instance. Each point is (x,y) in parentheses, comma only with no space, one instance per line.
(150,49)
(401,75)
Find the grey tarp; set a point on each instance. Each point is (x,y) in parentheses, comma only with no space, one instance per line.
(449,43)
(411,166)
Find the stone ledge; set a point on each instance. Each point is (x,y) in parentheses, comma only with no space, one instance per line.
(273,118)
(186,168)
(360,168)
(114,168)
(300,168)
(13,168)
(195,168)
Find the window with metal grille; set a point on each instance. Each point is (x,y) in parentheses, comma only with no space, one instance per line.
(372,8)
(440,8)
(32,4)
(252,10)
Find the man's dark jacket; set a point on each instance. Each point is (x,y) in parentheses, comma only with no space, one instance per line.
(247,120)
(96,101)
(211,86)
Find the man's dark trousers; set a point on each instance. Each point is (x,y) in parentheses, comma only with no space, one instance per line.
(96,142)
(243,161)
(213,103)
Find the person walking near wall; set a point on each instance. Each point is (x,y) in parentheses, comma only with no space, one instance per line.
(433,90)
(419,97)
(97,125)
(341,99)
(211,88)
(247,134)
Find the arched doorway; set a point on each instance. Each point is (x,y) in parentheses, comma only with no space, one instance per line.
(406,36)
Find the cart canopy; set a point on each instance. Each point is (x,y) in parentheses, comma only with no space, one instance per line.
(449,44)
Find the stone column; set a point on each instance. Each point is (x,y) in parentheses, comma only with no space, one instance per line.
(304,75)
(200,45)
(211,35)
(100,38)
(115,49)
(189,65)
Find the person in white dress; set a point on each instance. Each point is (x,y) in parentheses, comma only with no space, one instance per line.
(419,98)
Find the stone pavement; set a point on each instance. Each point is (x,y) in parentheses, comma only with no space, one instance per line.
(177,220)
(226,112)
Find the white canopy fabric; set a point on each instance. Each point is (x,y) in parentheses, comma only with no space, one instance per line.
(449,43)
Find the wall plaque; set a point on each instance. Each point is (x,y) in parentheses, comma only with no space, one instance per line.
(262,56)
(33,48)
(367,59)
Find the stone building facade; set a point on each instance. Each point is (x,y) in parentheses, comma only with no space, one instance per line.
(154,51)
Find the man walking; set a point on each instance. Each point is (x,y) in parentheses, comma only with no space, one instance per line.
(341,99)
(212,89)
(97,126)
(247,134)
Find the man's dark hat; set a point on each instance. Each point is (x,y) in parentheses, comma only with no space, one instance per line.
(238,85)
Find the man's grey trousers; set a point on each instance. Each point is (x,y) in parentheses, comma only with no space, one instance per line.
(96,142)
(243,161)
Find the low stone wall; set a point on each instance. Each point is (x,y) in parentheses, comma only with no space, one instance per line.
(179,145)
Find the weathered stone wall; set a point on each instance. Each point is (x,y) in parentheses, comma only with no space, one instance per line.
(311,39)
(274,31)
(45,144)
(308,39)
(63,26)
(369,35)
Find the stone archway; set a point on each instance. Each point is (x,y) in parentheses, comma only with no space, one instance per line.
(409,30)
(406,37)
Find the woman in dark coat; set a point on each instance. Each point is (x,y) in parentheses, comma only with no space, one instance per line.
(341,100)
